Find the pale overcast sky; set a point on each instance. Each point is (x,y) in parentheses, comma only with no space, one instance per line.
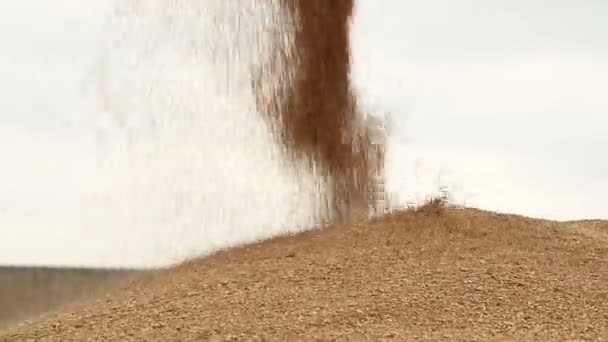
(503,101)
(506,99)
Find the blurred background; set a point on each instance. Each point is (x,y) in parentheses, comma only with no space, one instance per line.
(502,101)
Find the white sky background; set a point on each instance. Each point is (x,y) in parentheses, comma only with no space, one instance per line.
(506,101)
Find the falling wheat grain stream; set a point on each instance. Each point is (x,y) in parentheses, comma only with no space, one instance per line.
(190,131)
(199,125)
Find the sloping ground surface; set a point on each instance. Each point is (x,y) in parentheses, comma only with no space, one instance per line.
(462,275)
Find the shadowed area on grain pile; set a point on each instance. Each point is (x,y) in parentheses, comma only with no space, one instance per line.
(27,292)
(431,274)
(317,117)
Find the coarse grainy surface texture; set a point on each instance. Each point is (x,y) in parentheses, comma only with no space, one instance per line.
(453,275)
